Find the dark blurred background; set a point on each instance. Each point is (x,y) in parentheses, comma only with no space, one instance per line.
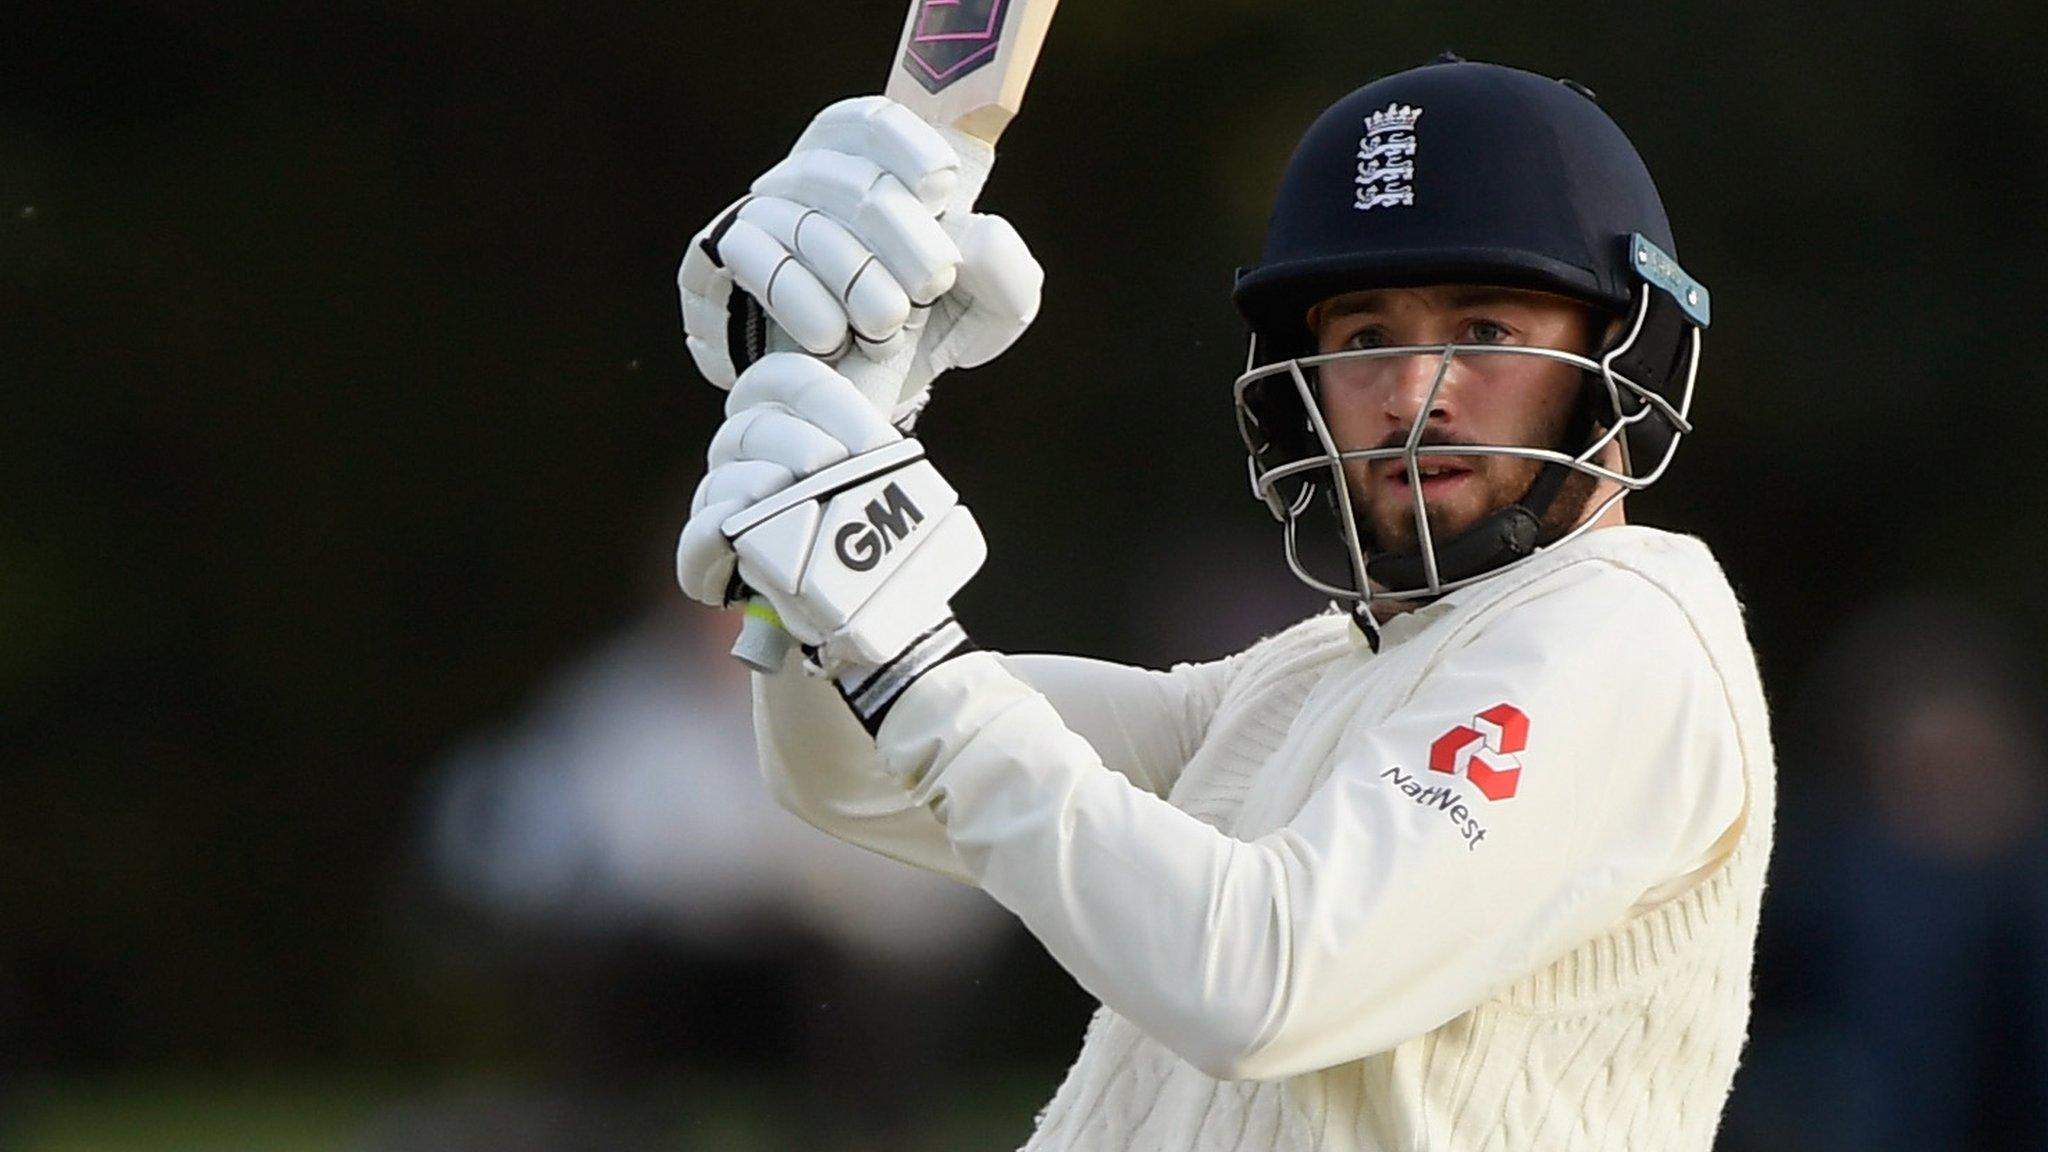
(345,428)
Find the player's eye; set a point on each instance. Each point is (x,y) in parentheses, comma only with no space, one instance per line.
(1487,332)
(1370,336)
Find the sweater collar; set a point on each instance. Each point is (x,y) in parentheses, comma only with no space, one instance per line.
(1602,541)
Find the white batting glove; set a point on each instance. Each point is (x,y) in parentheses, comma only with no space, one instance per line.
(818,504)
(860,247)
(764,447)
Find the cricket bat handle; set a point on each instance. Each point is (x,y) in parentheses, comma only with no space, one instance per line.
(763,643)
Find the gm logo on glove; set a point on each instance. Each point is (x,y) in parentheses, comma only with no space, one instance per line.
(890,517)
(831,540)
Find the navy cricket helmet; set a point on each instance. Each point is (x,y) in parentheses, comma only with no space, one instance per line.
(1466,173)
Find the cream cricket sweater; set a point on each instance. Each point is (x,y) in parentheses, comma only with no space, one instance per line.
(1494,887)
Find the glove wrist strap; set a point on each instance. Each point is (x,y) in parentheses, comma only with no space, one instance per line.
(871,692)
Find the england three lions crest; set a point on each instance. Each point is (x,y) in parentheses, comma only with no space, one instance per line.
(1386,159)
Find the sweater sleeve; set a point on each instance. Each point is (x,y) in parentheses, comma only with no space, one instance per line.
(1449,850)
(820,763)
(1144,724)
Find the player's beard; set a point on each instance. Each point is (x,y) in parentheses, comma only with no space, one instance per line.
(1507,480)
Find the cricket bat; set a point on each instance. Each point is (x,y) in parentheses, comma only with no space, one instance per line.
(961,65)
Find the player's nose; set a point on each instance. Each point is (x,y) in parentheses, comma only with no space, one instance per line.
(1416,384)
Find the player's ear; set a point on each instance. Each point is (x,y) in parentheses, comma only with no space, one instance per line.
(1616,325)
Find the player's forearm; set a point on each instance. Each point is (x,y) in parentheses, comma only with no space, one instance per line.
(820,765)
(1167,921)
(1143,723)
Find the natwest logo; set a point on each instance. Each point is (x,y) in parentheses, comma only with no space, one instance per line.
(1484,751)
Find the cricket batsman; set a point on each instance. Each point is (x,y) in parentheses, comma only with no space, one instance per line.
(1472,860)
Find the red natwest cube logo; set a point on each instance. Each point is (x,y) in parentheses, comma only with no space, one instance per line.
(1485,750)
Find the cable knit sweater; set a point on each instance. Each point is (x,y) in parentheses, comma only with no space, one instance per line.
(1493,887)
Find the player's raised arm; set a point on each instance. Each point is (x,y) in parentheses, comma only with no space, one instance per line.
(857,248)
(1144,724)
(821,764)
(1524,800)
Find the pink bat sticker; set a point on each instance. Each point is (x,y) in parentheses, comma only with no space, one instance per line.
(952,38)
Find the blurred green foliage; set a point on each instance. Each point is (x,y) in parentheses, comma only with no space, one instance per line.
(344,395)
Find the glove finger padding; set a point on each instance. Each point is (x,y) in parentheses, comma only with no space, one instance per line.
(713,320)
(771,434)
(762,266)
(863,294)
(814,393)
(995,300)
(876,207)
(704,557)
(1002,284)
(742,482)
(860,246)
(893,137)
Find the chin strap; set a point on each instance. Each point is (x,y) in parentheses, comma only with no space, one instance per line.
(1499,538)
(1369,628)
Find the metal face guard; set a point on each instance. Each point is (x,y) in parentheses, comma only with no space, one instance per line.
(1294,459)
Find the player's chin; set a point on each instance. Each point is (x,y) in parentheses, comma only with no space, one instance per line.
(1392,518)
(1396,531)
